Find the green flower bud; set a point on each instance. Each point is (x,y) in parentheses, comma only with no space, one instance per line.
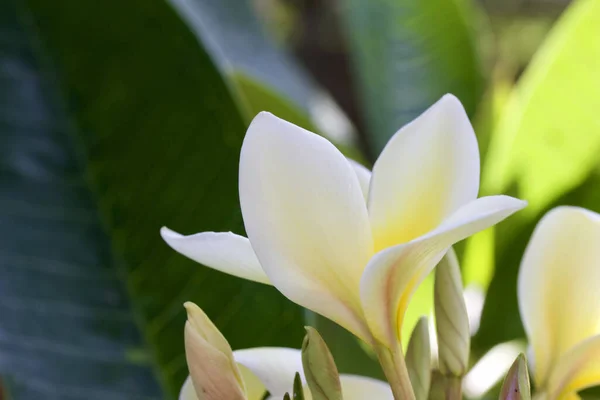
(418,360)
(452,323)
(319,368)
(516,384)
(298,390)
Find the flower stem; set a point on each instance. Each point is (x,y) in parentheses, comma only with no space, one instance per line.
(394,367)
(453,388)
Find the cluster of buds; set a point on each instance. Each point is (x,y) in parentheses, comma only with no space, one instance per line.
(216,372)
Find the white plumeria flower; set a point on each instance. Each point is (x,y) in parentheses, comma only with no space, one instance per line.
(559,300)
(344,243)
(218,373)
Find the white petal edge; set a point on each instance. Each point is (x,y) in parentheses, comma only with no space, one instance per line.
(223,251)
(427,171)
(275,367)
(577,369)
(306,217)
(558,280)
(364,177)
(187,391)
(356,387)
(392,275)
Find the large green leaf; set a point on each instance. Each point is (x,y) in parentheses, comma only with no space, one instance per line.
(262,75)
(113,122)
(407,54)
(235,38)
(549,137)
(545,150)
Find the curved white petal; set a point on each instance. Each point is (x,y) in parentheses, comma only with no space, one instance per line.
(187,391)
(558,287)
(356,387)
(364,177)
(275,367)
(223,251)
(306,218)
(577,369)
(393,274)
(428,170)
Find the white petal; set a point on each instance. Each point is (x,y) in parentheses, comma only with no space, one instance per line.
(356,387)
(393,274)
(364,177)
(187,390)
(428,170)
(275,367)
(223,251)
(306,218)
(558,284)
(577,369)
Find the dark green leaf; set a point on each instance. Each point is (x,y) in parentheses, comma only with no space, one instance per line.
(407,54)
(238,43)
(114,122)
(262,76)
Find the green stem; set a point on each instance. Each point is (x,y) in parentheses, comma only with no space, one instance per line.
(453,388)
(394,368)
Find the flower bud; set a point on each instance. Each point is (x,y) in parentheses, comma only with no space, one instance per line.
(298,390)
(418,360)
(213,370)
(516,384)
(452,323)
(319,367)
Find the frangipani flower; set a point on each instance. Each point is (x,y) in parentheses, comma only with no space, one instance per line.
(344,243)
(217,373)
(559,300)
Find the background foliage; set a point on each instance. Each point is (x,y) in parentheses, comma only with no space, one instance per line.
(119,117)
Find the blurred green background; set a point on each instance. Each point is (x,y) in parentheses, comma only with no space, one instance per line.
(119,117)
